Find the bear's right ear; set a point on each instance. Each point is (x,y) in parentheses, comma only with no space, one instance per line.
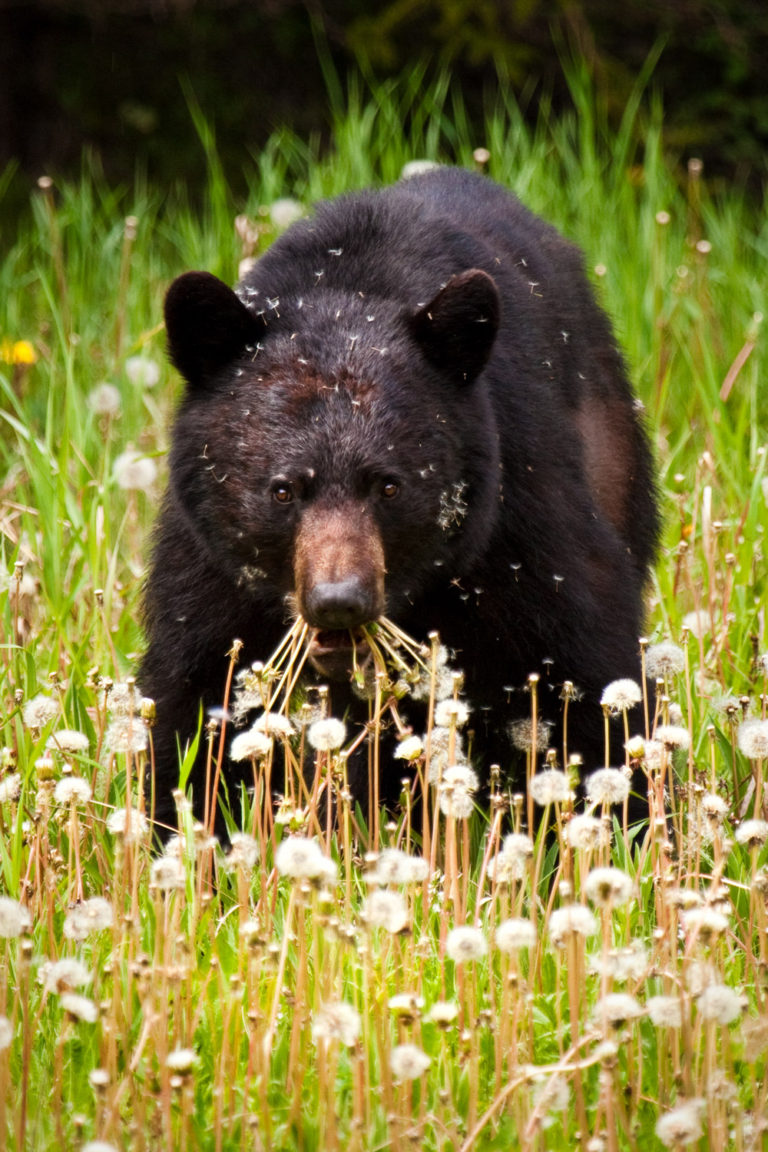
(207,325)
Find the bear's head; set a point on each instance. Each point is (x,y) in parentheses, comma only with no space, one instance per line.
(335,455)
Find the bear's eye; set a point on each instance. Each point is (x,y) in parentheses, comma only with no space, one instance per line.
(282,492)
(389,489)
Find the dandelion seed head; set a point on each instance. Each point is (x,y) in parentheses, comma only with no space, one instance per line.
(285,211)
(250,745)
(622,964)
(79,1007)
(142,371)
(515,934)
(585,833)
(439,746)
(571,920)
(14,918)
(521,733)
(608,886)
(550,787)
(752,833)
(448,712)
(704,923)
(607,786)
(243,852)
(168,873)
(6,1033)
(393,866)
(408,1062)
(618,1009)
(443,1013)
(672,736)
(105,400)
(635,747)
(327,735)
(72,790)
(68,740)
(457,788)
(387,910)
(181,1060)
(300,858)
(465,944)
(682,1125)
(714,807)
(98,1146)
(517,846)
(118,823)
(697,623)
(409,749)
(126,734)
(39,711)
(63,975)
(92,915)
(620,695)
(553,1094)
(274,724)
(752,739)
(10,788)
(339,1021)
(720,1003)
(134,472)
(664,660)
(665,1011)
(406,1005)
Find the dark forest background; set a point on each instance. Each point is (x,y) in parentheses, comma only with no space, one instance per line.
(114,76)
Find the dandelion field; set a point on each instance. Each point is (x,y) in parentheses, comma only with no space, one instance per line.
(435,977)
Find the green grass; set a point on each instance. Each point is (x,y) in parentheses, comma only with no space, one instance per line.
(238,962)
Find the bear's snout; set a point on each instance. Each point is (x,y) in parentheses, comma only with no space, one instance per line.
(342,604)
(339,568)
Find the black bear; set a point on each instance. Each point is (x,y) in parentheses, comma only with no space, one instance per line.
(411,406)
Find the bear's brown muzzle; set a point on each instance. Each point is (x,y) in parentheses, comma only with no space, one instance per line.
(339,568)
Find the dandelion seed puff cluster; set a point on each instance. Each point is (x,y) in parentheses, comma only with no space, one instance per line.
(410,748)
(327,735)
(299,858)
(465,944)
(393,866)
(337,1021)
(10,788)
(68,740)
(72,790)
(121,820)
(457,789)
(408,1062)
(608,886)
(585,833)
(682,1125)
(571,920)
(621,695)
(251,745)
(664,660)
(6,1033)
(752,739)
(515,934)
(14,918)
(386,910)
(607,786)
(39,711)
(92,915)
(550,787)
(752,833)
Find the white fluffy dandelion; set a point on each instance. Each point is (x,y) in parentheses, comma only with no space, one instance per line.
(385,910)
(665,1011)
(65,975)
(672,736)
(105,400)
(119,821)
(14,918)
(72,790)
(457,789)
(142,371)
(393,866)
(181,1060)
(409,749)
(274,724)
(10,788)
(327,735)
(133,471)
(664,660)
(515,934)
(752,739)
(92,915)
(6,1033)
(167,873)
(448,712)
(585,833)
(408,1062)
(607,786)
(720,1003)
(571,920)
(300,858)
(550,787)
(682,1125)
(79,1007)
(126,734)
(251,745)
(68,740)
(620,695)
(39,711)
(608,886)
(337,1021)
(243,852)
(752,833)
(465,944)
(618,1009)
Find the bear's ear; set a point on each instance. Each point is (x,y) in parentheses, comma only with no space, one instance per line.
(457,329)
(207,326)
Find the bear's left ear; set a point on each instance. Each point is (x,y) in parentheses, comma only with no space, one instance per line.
(457,329)
(207,325)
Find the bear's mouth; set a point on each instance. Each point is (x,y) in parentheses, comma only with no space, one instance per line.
(334,652)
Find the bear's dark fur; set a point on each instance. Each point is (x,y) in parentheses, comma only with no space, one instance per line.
(412,405)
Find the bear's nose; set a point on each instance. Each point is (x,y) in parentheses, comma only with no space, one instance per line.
(344,604)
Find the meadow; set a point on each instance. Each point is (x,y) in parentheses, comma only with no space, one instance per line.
(437,978)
